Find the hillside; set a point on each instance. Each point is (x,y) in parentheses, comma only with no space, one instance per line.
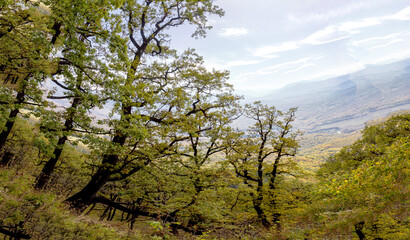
(109,131)
(345,103)
(28,213)
(315,148)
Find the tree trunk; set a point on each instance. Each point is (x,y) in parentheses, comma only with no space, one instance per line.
(9,125)
(13,114)
(84,197)
(14,234)
(257,205)
(10,122)
(257,200)
(113,211)
(6,159)
(358,227)
(49,167)
(272,188)
(261,214)
(276,220)
(105,213)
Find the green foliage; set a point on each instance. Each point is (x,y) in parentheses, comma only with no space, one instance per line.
(20,144)
(42,215)
(263,155)
(374,142)
(316,148)
(25,48)
(165,159)
(368,181)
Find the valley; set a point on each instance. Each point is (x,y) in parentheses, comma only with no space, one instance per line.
(345,103)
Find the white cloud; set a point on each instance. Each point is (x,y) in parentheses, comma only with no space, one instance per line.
(242,63)
(375,42)
(219,65)
(299,68)
(372,40)
(287,66)
(268,56)
(341,31)
(210,65)
(396,56)
(334,72)
(402,15)
(233,32)
(259,72)
(290,64)
(327,35)
(351,26)
(387,44)
(339,9)
(268,51)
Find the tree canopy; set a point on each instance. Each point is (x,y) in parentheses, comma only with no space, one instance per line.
(101,119)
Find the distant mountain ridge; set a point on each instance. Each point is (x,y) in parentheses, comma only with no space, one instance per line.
(344,103)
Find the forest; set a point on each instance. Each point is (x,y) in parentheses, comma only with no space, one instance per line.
(106,132)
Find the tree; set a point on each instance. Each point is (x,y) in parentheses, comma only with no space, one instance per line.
(24,61)
(364,186)
(81,73)
(176,184)
(182,156)
(258,156)
(133,93)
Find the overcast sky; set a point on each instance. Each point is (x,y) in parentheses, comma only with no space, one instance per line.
(267,44)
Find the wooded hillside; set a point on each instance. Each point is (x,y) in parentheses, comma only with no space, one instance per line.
(165,162)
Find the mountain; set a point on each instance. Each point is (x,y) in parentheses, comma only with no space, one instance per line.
(345,103)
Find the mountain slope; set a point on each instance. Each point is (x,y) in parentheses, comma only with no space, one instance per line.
(345,103)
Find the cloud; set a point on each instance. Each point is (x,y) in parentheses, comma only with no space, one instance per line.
(299,68)
(242,63)
(374,42)
(212,64)
(403,15)
(290,64)
(387,44)
(357,66)
(287,66)
(334,72)
(259,72)
(327,35)
(315,12)
(219,65)
(341,31)
(268,51)
(233,32)
(352,26)
(396,56)
(297,63)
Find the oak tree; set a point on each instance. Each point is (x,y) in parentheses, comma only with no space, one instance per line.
(260,154)
(25,60)
(78,82)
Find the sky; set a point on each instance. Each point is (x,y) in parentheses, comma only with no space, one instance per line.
(268,44)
